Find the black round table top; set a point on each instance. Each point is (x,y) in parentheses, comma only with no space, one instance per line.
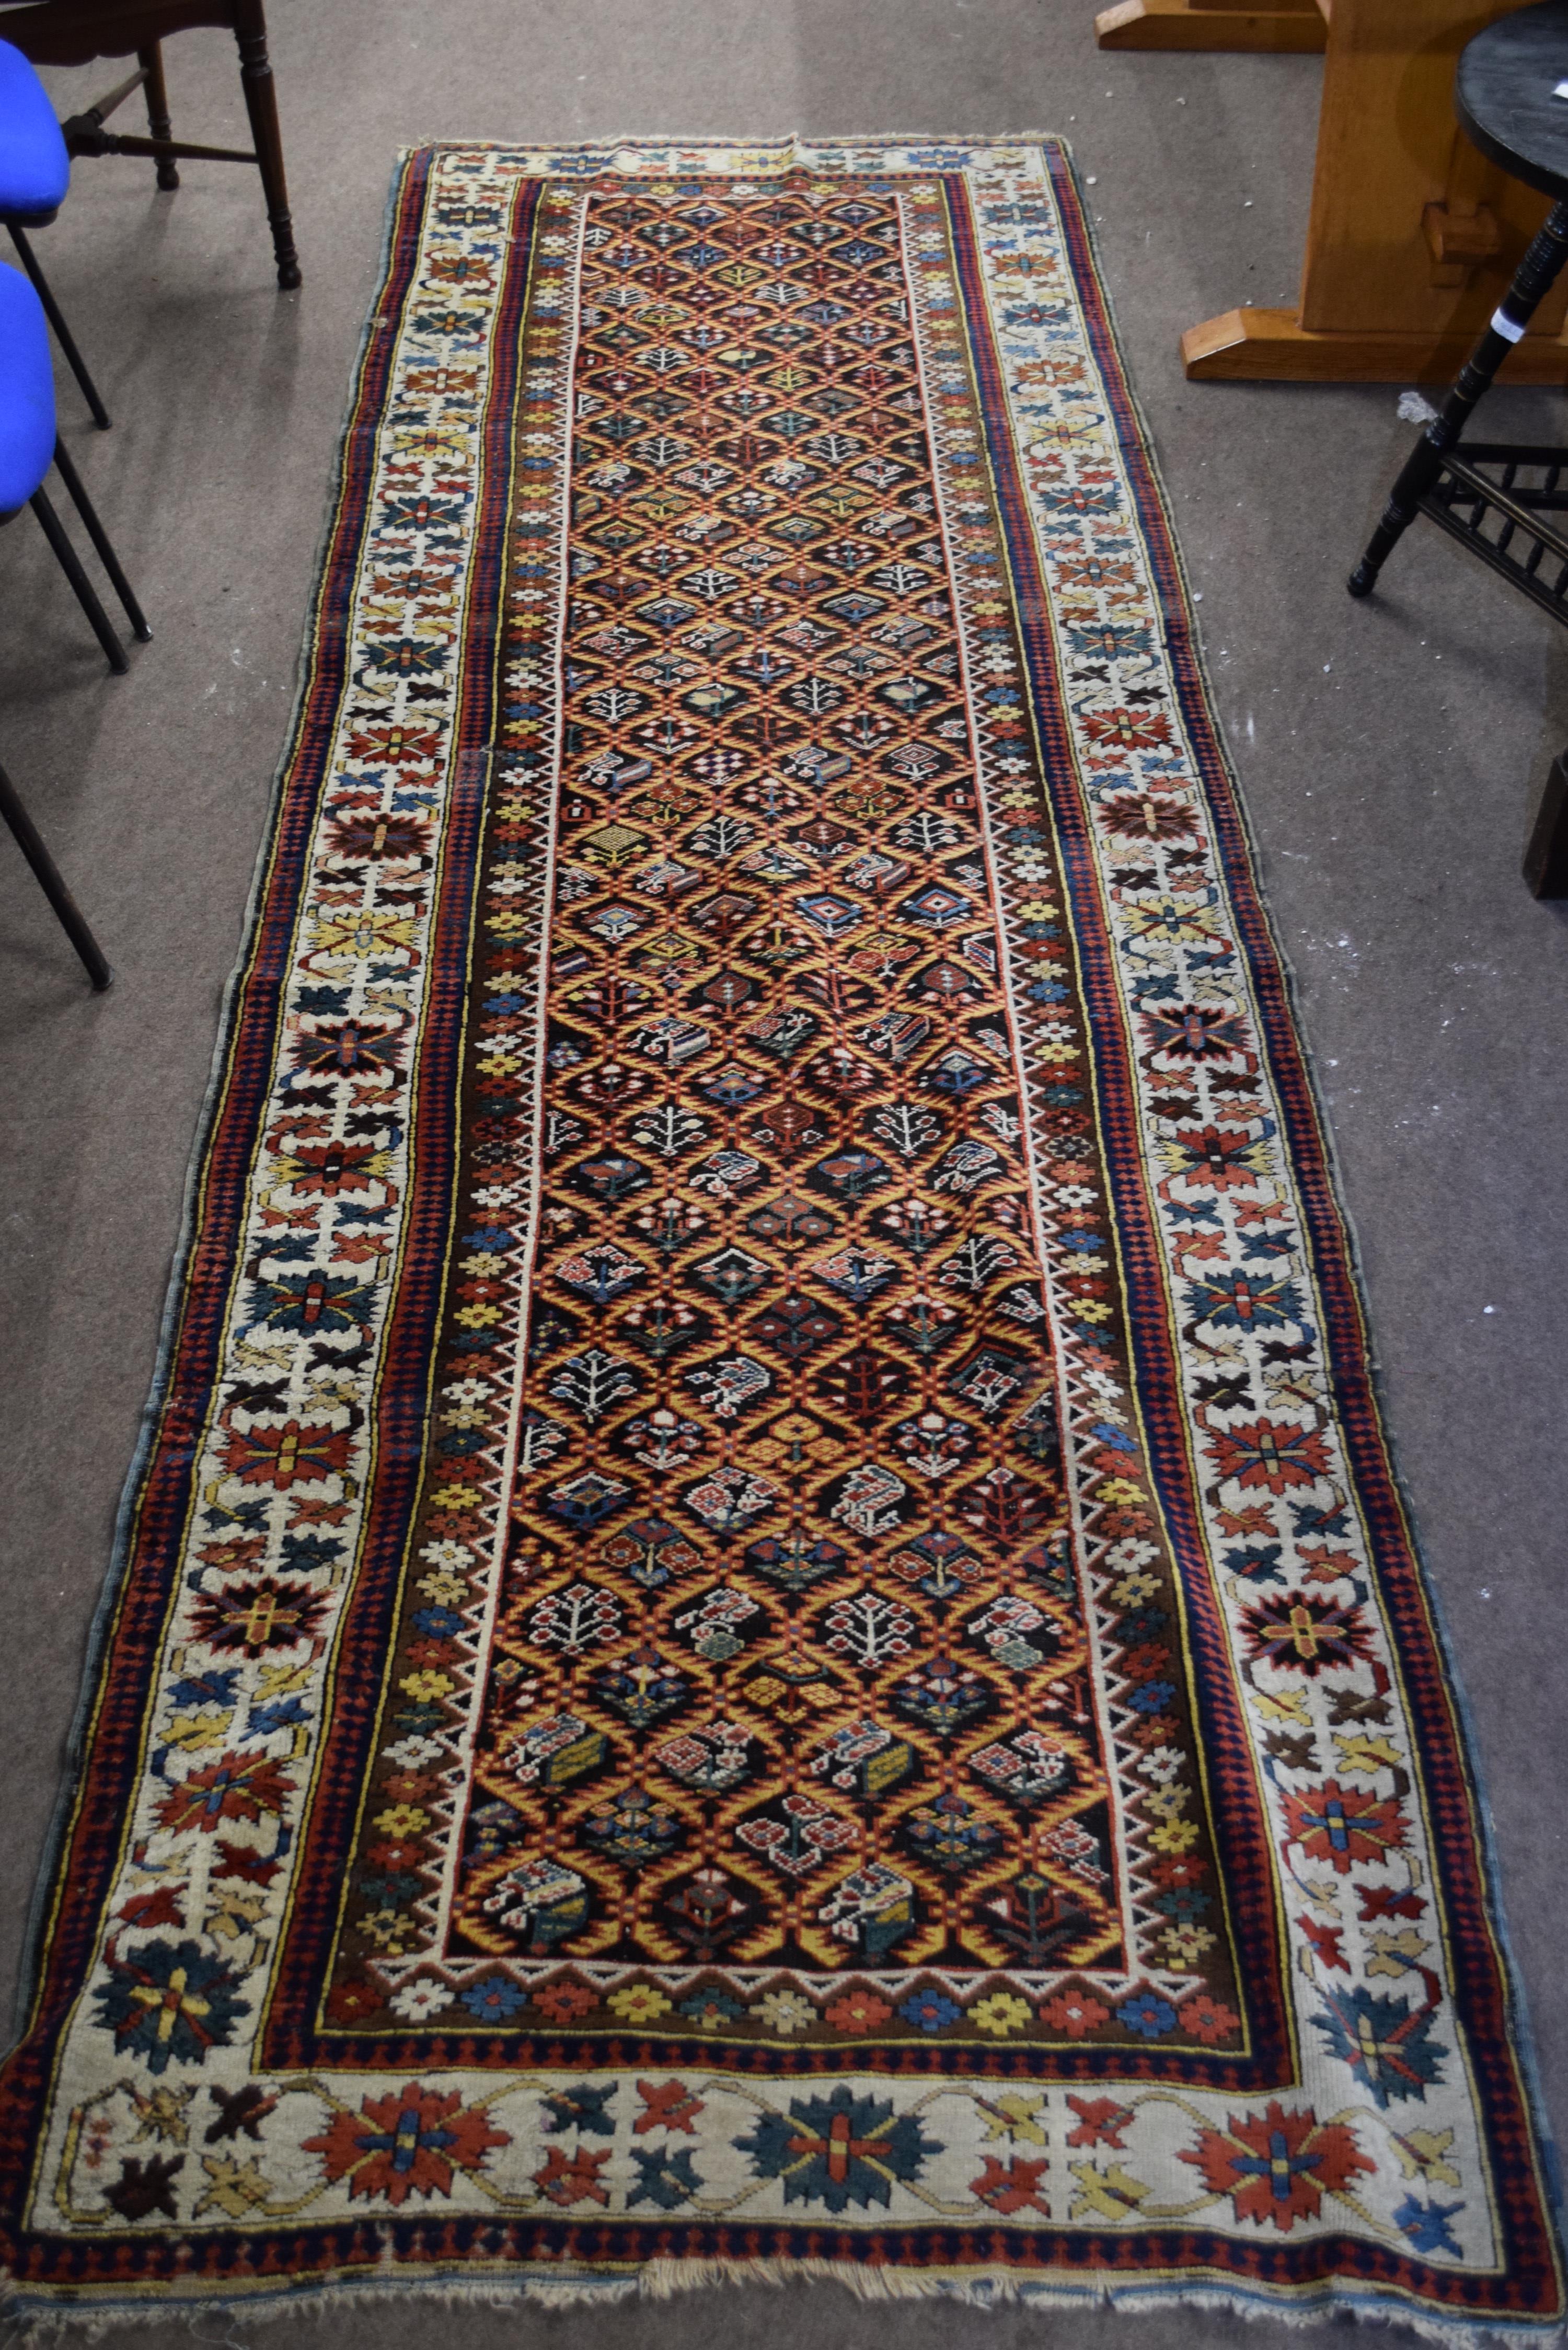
(1506,94)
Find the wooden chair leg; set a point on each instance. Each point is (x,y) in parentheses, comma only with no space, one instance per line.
(1546,858)
(261,105)
(151,60)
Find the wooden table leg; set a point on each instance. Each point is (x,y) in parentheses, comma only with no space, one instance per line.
(261,105)
(1412,238)
(1292,26)
(151,60)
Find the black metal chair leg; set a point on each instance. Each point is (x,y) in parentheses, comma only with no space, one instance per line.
(85,594)
(30,842)
(101,540)
(1533,281)
(63,335)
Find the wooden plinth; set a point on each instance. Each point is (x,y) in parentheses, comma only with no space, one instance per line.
(1274,346)
(1281,26)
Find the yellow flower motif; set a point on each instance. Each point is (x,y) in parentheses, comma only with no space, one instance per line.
(283,1681)
(1134,1589)
(478,1318)
(426,1686)
(237,2188)
(1000,2013)
(637,2004)
(1115,1490)
(193,1732)
(1185,1945)
(1166,1803)
(1424,2154)
(457,1497)
(161,2115)
(784,2011)
(1177,1836)
(446,1590)
(390,1928)
(402,1820)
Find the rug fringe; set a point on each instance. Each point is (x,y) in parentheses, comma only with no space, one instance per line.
(663,2280)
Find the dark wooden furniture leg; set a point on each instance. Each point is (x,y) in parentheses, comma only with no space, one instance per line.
(30,842)
(1533,280)
(151,60)
(261,104)
(1546,858)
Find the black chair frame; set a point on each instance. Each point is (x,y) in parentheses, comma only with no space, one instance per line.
(70,562)
(30,841)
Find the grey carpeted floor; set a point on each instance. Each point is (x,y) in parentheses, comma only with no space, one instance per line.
(1388,755)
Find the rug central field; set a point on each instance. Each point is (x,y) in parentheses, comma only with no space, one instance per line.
(765,1625)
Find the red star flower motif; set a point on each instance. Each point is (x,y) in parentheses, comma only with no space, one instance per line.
(1206,2019)
(573,2178)
(1276,2166)
(563,2001)
(1343,1826)
(667,2104)
(1015,2188)
(1075,2013)
(235,1787)
(414,2142)
(1101,2121)
(1269,1452)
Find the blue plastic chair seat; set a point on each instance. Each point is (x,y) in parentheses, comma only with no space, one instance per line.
(26,393)
(34,169)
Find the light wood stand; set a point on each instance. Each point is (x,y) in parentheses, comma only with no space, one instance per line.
(1413,236)
(1279,25)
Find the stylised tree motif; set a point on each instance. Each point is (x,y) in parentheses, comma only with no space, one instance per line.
(907,1128)
(591,1382)
(863,1385)
(670,1130)
(868,1629)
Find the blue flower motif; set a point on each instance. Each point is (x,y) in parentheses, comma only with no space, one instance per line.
(1152,2018)
(838,2150)
(439,1623)
(1426,2225)
(1153,1698)
(930,2010)
(666,2178)
(206,1689)
(1260,1563)
(1185,1901)
(494,1999)
(1386,2044)
(582,2108)
(712,2007)
(169,2002)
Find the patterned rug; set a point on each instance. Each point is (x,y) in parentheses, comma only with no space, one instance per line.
(764,1628)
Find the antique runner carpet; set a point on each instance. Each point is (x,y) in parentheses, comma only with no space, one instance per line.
(764,1628)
